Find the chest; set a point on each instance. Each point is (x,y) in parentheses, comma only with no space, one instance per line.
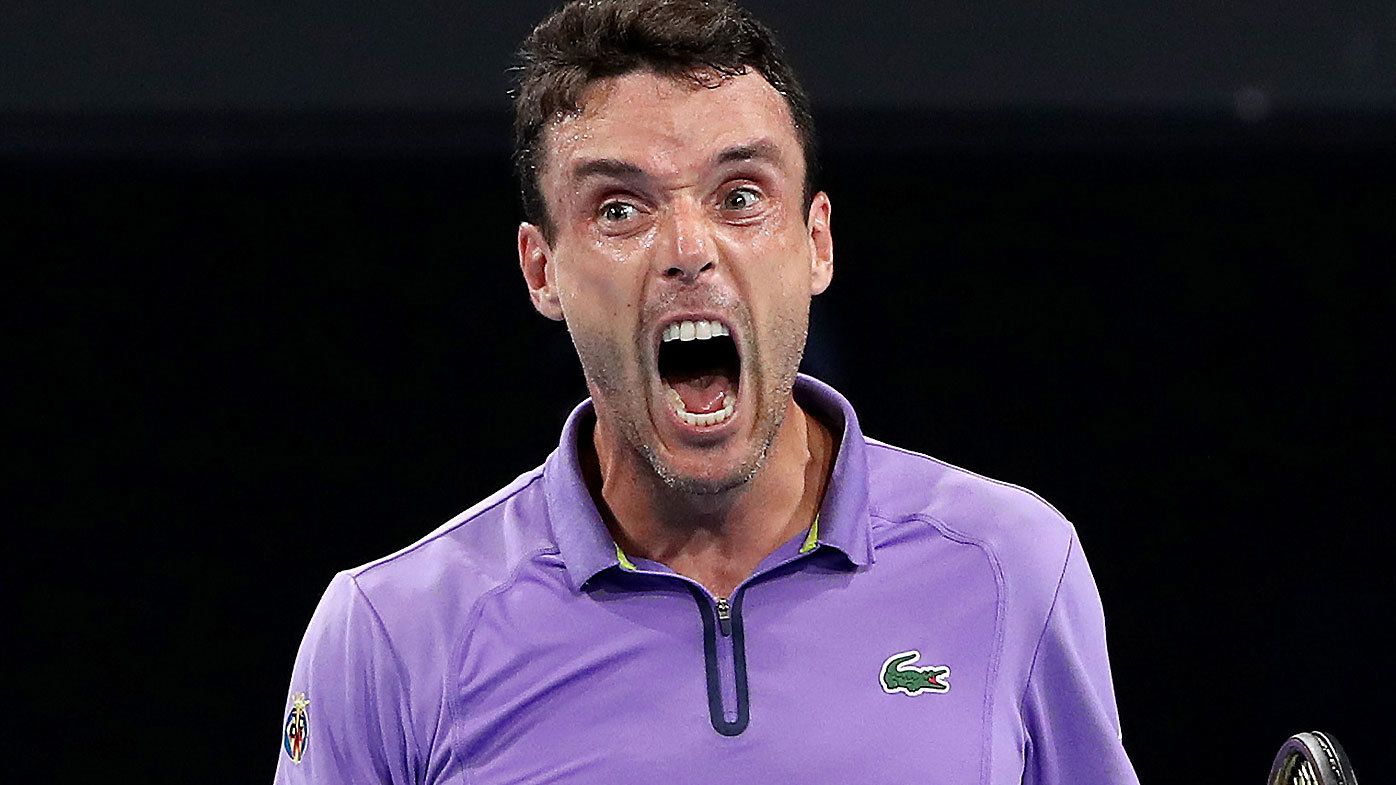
(816,676)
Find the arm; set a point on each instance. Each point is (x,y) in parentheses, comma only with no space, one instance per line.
(1069,708)
(351,685)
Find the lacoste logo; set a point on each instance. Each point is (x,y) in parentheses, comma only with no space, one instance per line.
(899,676)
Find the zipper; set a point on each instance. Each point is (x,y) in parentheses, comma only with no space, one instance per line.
(724,658)
(724,616)
(724,653)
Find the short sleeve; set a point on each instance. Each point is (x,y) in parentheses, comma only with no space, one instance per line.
(346,712)
(1073,726)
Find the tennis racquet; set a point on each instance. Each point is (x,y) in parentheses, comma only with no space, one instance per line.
(1314,758)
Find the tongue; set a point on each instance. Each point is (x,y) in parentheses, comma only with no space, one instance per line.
(702,394)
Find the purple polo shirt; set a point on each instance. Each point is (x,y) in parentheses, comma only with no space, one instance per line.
(932,626)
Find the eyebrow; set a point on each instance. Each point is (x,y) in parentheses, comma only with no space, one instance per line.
(606,167)
(761,150)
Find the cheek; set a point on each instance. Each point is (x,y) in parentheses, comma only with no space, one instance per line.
(780,264)
(599,284)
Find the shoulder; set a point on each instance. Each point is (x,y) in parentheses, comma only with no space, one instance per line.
(1027,538)
(435,582)
(381,646)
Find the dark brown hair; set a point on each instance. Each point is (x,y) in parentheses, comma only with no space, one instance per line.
(587,40)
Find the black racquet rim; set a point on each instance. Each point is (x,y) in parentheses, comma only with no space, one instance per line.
(1324,756)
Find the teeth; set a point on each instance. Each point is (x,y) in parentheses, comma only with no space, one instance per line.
(700,330)
(702,420)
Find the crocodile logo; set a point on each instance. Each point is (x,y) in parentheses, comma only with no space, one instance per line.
(899,676)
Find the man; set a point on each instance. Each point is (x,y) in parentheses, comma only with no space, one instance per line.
(716,577)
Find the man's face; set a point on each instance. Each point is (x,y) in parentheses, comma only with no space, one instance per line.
(678,215)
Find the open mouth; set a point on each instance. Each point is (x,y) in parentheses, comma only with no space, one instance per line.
(701,371)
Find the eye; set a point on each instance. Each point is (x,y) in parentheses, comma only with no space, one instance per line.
(615,212)
(743,198)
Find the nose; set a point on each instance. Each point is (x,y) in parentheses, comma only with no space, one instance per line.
(689,250)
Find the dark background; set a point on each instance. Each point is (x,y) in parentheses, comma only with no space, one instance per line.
(267,325)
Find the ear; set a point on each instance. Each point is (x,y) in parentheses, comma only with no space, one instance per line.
(821,243)
(536,262)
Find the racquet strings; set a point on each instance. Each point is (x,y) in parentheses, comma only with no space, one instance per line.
(1298,771)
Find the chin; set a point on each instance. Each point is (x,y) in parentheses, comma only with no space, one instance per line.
(707,479)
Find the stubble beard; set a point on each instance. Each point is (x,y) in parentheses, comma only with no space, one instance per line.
(603,366)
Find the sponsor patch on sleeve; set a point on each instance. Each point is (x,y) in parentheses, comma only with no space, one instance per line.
(295,732)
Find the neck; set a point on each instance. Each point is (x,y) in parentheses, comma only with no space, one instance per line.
(714,539)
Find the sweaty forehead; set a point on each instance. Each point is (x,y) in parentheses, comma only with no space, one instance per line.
(671,126)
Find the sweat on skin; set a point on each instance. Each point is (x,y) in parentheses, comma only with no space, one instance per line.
(673,199)
(725,601)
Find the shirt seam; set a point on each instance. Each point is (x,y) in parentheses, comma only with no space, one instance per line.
(457,661)
(451,527)
(1046,622)
(401,671)
(986,753)
(871,442)
(1061,579)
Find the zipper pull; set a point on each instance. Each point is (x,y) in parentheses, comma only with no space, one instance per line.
(724,616)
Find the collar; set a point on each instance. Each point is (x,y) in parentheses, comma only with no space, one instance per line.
(586,547)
